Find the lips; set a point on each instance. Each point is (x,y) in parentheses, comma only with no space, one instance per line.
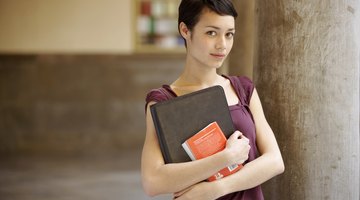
(218,55)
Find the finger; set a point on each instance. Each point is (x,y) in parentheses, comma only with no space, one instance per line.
(236,135)
(245,139)
(177,194)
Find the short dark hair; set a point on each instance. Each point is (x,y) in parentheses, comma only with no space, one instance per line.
(190,10)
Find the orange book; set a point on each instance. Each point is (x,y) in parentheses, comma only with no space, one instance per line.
(206,142)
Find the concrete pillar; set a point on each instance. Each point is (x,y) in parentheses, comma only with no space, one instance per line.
(307,75)
(242,54)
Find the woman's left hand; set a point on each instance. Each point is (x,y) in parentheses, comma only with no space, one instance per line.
(200,191)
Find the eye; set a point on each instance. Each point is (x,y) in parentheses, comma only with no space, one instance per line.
(230,35)
(211,33)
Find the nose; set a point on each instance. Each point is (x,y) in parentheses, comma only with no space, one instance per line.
(220,43)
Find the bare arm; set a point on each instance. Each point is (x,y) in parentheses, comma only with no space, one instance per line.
(161,178)
(256,172)
(268,164)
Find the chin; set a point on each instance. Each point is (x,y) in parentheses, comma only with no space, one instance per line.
(214,64)
(217,65)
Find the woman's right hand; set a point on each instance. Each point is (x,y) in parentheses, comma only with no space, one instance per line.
(237,147)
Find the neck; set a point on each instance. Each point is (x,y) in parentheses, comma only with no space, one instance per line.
(201,77)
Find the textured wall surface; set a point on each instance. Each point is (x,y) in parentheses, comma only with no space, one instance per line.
(70,104)
(242,54)
(307,75)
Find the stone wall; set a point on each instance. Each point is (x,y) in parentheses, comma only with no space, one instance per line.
(77,104)
(307,74)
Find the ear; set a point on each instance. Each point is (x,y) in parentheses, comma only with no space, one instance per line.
(184,31)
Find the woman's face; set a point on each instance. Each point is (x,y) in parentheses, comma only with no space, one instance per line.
(211,40)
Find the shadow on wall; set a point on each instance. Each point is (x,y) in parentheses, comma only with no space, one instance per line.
(77,104)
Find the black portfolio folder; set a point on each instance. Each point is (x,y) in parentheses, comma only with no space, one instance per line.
(178,119)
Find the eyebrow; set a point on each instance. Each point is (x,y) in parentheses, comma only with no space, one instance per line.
(217,28)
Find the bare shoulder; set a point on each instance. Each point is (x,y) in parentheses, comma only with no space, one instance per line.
(230,93)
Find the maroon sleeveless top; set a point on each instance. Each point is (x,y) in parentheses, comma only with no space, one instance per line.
(242,120)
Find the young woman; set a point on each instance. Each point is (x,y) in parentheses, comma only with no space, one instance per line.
(208,27)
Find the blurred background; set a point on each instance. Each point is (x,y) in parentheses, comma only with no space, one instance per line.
(73,81)
(74,75)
